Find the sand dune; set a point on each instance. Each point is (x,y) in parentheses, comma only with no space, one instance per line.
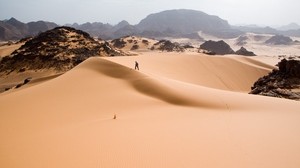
(232,73)
(167,116)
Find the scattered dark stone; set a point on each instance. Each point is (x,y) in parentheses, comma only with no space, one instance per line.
(166,45)
(244,51)
(27,80)
(19,85)
(119,43)
(22,70)
(134,47)
(283,82)
(145,42)
(217,47)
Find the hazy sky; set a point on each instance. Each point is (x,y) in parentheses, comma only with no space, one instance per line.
(261,12)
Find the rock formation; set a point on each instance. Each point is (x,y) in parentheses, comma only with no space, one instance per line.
(60,49)
(166,45)
(279,40)
(283,82)
(217,47)
(244,51)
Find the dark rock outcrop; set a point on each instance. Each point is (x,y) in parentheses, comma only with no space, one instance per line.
(244,51)
(60,49)
(217,47)
(166,45)
(279,40)
(119,43)
(283,82)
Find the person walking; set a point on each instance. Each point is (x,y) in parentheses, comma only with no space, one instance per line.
(136,67)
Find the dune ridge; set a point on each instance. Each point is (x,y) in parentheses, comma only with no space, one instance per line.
(226,73)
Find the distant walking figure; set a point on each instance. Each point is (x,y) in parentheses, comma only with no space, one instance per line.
(136,67)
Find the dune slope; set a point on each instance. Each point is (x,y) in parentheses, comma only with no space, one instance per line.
(161,121)
(227,73)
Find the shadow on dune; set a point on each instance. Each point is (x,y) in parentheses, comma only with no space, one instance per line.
(147,85)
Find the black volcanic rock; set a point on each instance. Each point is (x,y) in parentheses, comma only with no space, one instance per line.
(60,49)
(283,82)
(279,40)
(217,47)
(244,51)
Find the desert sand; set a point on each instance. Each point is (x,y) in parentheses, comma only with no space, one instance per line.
(6,50)
(179,110)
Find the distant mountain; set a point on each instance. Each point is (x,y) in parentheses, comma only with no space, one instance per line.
(96,29)
(179,23)
(13,29)
(268,30)
(183,21)
(171,23)
(258,30)
(291,26)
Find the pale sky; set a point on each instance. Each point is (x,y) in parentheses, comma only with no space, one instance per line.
(260,12)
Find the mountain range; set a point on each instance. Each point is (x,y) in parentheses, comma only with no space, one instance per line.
(13,29)
(171,23)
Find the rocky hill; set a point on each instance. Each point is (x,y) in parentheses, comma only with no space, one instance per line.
(59,49)
(166,45)
(222,48)
(245,52)
(134,43)
(13,29)
(279,40)
(217,47)
(283,82)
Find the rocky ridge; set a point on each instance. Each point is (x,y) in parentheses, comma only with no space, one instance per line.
(59,49)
